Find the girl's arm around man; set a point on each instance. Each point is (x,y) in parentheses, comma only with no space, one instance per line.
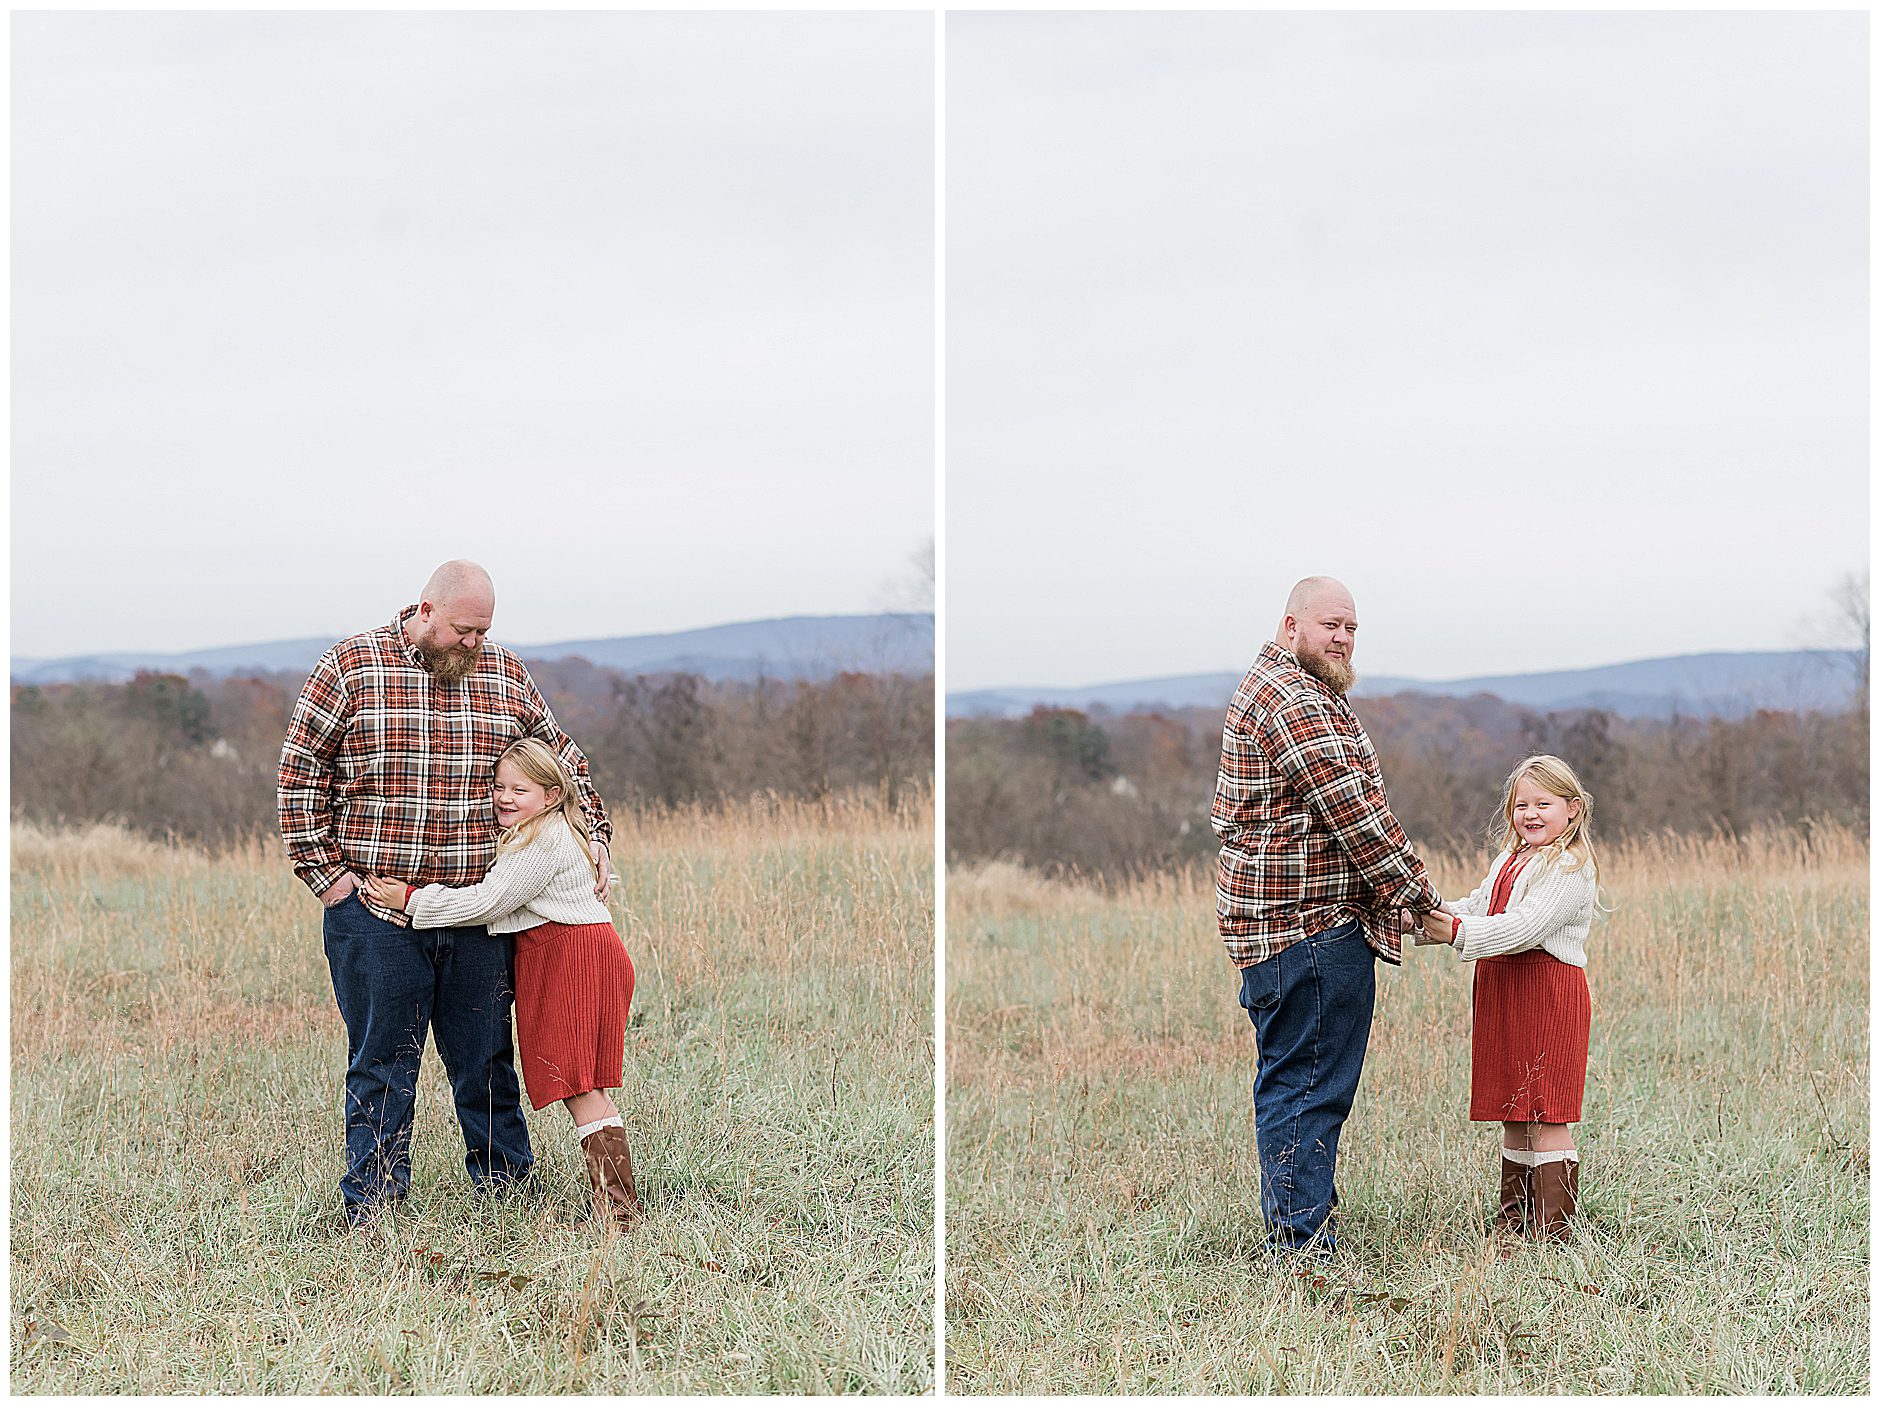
(517,877)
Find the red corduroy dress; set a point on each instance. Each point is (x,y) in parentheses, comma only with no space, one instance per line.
(1533,1017)
(574,986)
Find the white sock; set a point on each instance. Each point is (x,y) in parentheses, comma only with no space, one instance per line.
(611,1121)
(1520,1156)
(1566,1154)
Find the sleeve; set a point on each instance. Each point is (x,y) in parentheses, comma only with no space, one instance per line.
(539,722)
(1230,782)
(315,730)
(1326,767)
(1554,900)
(518,876)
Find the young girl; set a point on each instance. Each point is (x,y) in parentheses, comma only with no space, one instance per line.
(1525,928)
(574,981)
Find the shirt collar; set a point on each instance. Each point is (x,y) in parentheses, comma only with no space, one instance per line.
(404,640)
(1284,658)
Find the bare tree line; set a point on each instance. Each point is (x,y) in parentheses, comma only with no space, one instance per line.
(1064,791)
(195,757)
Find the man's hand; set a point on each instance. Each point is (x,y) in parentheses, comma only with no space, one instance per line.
(387,893)
(604,863)
(340,891)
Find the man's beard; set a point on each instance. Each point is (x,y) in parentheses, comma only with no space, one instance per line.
(449,665)
(1335,674)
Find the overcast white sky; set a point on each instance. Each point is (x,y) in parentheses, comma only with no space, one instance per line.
(1546,332)
(637,309)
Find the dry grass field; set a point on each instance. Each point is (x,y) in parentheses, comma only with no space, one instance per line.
(176,1135)
(1103,1218)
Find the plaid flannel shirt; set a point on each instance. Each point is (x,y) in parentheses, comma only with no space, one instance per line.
(1307,839)
(387,771)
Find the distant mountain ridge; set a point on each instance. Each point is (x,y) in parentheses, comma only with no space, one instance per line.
(1702,685)
(789,647)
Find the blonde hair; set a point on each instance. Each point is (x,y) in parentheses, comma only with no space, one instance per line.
(1556,778)
(539,764)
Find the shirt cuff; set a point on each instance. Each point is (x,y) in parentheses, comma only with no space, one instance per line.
(322,878)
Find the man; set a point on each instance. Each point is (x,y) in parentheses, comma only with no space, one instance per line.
(1313,874)
(387,770)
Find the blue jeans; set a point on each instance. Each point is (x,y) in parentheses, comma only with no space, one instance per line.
(392,983)
(1311,1009)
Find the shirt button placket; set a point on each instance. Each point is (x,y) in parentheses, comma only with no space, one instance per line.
(440,758)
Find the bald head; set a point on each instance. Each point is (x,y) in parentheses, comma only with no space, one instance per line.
(461,583)
(1320,627)
(1305,595)
(452,618)
(1308,596)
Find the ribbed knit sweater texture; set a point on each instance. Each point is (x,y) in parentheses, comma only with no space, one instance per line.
(548,880)
(1551,908)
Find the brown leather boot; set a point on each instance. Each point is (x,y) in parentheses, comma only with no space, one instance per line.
(1556,1197)
(1517,1199)
(610,1174)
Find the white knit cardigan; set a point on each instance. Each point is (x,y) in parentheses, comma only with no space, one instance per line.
(1550,908)
(548,880)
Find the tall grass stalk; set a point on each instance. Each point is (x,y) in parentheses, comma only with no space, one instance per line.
(176,1134)
(1103,1217)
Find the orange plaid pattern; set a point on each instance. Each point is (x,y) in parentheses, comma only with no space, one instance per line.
(386,770)
(1307,839)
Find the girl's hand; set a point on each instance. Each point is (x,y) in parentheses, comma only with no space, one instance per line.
(387,893)
(1438,927)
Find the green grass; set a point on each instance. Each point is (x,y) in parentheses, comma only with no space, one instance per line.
(1104,1232)
(176,1137)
